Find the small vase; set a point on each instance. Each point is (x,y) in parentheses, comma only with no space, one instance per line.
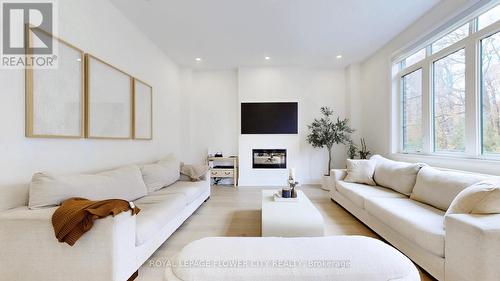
(294,193)
(286,193)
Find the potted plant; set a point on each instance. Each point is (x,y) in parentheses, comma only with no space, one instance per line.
(364,152)
(352,150)
(326,132)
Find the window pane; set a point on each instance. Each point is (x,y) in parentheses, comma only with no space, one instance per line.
(489,17)
(416,57)
(490,90)
(449,102)
(451,38)
(412,111)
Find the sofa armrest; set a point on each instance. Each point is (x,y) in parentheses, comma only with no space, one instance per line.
(338,174)
(472,247)
(28,239)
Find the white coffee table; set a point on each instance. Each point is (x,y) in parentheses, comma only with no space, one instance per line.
(290,219)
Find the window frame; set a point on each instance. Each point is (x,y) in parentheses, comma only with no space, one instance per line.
(402,100)
(473,95)
(484,154)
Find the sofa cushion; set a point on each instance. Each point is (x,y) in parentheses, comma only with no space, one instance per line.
(157,210)
(419,223)
(357,193)
(191,190)
(162,173)
(399,176)
(438,188)
(480,198)
(50,190)
(360,171)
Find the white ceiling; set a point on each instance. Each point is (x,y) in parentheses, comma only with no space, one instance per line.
(232,33)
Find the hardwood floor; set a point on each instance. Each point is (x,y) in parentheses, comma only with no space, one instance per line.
(236,212)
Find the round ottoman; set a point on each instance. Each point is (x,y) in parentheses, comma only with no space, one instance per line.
(355,258)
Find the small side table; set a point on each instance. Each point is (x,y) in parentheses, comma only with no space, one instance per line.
(222,172)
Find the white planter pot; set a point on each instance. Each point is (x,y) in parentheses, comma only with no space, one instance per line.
(326,183)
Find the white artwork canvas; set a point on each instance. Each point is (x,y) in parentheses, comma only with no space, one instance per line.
(55,96)
(143,102)
(109,100)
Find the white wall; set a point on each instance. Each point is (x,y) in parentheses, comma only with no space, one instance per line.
(354,106)
(376,93)
(311,88)
(209,113)
(210,117)
(100,29)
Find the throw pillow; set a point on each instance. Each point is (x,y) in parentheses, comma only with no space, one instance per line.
(194,172)
(360,171)
(162,173)
(398,176)
(480,198)
(50,190)
(438,188)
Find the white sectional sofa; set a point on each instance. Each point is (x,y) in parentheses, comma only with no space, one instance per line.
(409,212)
(112,250)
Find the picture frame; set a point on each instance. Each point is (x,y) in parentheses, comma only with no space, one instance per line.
(143,110)
(108,101)
(54,106)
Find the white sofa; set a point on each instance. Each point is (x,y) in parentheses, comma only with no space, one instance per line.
(454,247)
(111,251)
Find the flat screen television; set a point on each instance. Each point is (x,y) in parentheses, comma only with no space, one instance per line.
(269,118)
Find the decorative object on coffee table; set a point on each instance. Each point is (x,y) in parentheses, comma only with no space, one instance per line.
(292,183)
(326,132)
(286,192)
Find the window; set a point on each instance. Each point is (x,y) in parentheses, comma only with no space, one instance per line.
(488,18)
(412,111)
(490,93)
(448,91)
(450,38)
(416,57)
(449,102)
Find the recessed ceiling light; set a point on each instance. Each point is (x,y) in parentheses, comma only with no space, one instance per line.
(267,58)
(339,56)
(198,59)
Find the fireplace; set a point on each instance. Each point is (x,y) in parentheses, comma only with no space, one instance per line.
(269,158)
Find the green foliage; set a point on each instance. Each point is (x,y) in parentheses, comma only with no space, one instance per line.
(364,152)
(352,151)
(327,131)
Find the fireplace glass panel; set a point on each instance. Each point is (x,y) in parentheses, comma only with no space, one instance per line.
(269,158)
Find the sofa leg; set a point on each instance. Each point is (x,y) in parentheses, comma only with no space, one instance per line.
(132,278)
(207,199)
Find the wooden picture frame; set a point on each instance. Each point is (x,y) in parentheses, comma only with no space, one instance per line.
(108,101)
(55,109)
(143,110)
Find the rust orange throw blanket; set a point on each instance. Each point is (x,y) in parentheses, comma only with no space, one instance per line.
(76,216)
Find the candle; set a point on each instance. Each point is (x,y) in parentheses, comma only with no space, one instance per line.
(291,174)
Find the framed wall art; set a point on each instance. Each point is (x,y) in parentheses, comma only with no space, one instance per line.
(55,97)
(109,96)
(143,110)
